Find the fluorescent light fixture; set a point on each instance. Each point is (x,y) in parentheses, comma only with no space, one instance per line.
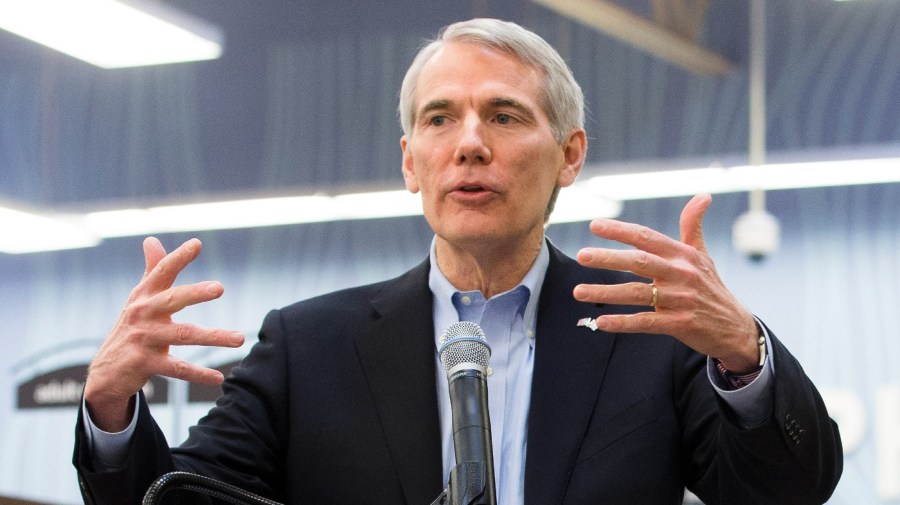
(598,197)
(378,204)
(209,216)
(672,183)
(113,33)
(26,232)
(252,213)
(817,174)
(664,184)
(576,203)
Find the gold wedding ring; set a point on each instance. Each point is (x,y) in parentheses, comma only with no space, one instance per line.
(654,295)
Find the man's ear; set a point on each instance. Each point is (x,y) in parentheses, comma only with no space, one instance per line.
(574,152)
(408,167)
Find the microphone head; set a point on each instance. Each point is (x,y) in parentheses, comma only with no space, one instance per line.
(464,346)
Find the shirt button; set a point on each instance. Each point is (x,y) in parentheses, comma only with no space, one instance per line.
(466,300)
(529,333)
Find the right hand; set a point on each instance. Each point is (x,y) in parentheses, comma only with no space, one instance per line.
(138,345)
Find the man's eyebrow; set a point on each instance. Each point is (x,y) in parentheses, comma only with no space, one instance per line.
(433,105)
(442,103)
(512,103)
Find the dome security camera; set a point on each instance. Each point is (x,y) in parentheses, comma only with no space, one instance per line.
(757,234)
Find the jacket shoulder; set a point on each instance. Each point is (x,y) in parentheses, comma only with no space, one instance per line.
(361,301)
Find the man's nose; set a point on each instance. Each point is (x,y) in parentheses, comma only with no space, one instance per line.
(472,146)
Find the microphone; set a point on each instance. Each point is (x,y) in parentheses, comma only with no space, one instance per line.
(466,356)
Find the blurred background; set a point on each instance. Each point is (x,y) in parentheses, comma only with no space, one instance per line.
(302,101)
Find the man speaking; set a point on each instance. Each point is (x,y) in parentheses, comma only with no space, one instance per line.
(604,388)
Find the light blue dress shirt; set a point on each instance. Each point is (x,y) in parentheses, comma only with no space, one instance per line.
(508,320)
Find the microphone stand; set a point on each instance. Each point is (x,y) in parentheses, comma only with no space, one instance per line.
(467,486)
(460,491)
(203,485)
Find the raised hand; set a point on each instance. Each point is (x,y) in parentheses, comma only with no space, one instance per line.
(689,301)
(138,345)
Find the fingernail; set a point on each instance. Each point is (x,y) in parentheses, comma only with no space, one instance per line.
(213,288)
(585,255)
(580,292)
(237,338)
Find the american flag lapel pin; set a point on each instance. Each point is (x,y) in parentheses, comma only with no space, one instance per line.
(588,322)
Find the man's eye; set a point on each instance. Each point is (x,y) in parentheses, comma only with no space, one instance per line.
(504,119)
(437,120)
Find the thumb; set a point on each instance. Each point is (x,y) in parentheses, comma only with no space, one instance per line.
(691,222)
(153,253)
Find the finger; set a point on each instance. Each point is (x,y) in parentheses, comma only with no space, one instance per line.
(641,322)
(184,370)
(191,334)
(176,298)
(637,261)
(163,275)
(632,293)
(691,222)
(640,237)
(153,253)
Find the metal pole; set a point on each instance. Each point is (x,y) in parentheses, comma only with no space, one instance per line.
(757,103)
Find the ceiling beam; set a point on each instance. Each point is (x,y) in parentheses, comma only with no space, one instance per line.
(642,33)
(681,16)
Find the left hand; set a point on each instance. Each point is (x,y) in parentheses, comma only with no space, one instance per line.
(693,304)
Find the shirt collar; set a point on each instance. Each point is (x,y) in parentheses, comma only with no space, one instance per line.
(443,290)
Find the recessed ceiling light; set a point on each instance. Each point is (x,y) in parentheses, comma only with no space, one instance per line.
(113,33)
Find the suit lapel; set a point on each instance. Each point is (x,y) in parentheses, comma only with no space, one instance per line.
(398,360)
(569,366)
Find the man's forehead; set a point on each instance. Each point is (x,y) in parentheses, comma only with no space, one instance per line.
(497,80)
(450,53)
(488,101)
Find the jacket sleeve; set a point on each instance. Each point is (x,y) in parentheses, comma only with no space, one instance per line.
(238,442)
(148,457)
(794,457)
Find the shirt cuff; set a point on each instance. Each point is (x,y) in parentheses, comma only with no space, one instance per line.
(109,450)
(752,403)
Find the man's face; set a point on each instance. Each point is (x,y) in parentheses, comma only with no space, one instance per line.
(481,150)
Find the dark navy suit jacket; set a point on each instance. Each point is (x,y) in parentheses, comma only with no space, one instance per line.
(337,404)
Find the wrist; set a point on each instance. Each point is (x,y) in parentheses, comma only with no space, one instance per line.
(110,413)
(751,359)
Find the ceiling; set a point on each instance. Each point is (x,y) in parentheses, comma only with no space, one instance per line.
(233,110)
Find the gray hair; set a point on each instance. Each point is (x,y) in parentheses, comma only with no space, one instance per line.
(563,100)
